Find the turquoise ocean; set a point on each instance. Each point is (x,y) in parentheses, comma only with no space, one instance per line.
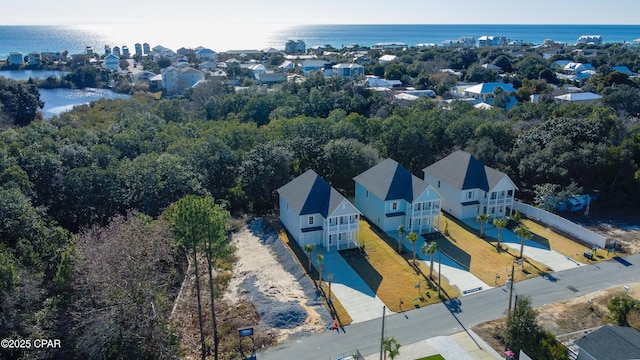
(259,36)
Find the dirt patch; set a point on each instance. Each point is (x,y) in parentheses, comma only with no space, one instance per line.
(623,225)
(267,275)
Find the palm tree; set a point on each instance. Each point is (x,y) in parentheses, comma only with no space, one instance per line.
(391,347)
(524,233)
(400,235)
(482,219)
(499,223)
(308,248)
(320,260)
(413,237)
(430,249)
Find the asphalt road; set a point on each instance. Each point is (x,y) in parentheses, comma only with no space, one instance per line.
(457,315)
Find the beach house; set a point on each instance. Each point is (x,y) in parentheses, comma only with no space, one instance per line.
(389,196)
(313,212)
(469,188)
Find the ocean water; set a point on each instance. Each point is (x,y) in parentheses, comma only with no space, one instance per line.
(57,101)
(223,37)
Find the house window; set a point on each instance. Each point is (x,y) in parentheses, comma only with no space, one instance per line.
(493,210)
(438,183)
(339,236)
(410,223)
(394,206)
(469,194)
(500,209)
(341,220)
(493,195)
(366,194)
(418,206)
(310,220)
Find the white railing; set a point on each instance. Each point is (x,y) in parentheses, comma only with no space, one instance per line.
(562,224)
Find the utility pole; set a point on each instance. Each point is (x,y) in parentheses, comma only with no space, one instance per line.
(511,288)
(382,335)
(439,272)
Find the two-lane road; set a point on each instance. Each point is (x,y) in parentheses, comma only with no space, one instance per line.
(446,319)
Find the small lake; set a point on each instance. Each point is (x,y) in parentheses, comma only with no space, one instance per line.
(35,74)
(57,101)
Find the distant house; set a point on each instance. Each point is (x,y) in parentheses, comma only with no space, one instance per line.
(488,41)
(15,58)
(176,80)
(622,69)
(582,97)
(34,58)
(469,188)
(295,47)
(206,54)
(138,48)
(315,213)
(311,66)
(112,62)
(387,59)
(590,39)
(485,90)
(389,46)
(144,76)
(116,51)
(376,82)
(390,196)
(287,65)
(271,78)
(491,67)
(347,70)
(609,343)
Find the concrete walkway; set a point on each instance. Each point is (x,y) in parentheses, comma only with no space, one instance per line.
(358,299)
(456,274)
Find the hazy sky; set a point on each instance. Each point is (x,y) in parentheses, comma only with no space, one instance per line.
(72,12)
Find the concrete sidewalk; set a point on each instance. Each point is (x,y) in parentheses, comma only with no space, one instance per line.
(354,294)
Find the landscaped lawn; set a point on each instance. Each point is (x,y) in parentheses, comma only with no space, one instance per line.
(432,357)
(392,276)
(486,261)
(564,245)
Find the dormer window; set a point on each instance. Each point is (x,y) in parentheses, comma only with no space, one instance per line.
(310,220)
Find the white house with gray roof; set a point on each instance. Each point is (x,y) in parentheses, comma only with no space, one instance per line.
(315,213)
(390,196)
(469,188)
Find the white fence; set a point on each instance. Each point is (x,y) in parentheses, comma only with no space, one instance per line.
(562,224)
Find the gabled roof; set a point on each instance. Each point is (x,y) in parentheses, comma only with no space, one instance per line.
(583,96)
(463,171)
(390,181)
(611,342)
(488,88)
(310,194)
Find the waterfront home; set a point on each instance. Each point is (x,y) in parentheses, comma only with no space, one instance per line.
(34,58)
(590,39)
(469,188)
(313,212)
(295,47)
(15,58)
(116,51)
(138,48)
(389,196)
(112,62)
(347,70)
(488,41)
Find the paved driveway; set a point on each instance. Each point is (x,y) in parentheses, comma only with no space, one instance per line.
(455,273)
(358,299)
